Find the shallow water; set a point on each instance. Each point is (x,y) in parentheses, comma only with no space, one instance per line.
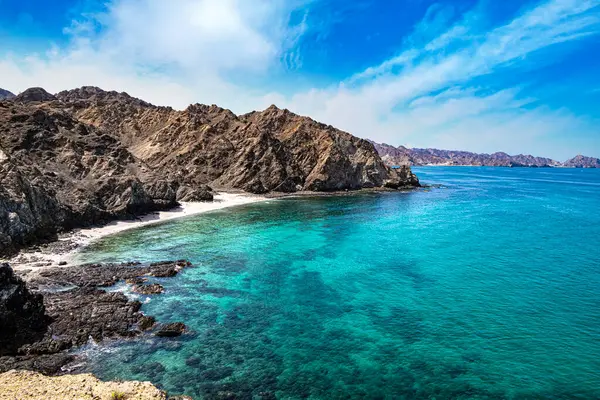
(485,288)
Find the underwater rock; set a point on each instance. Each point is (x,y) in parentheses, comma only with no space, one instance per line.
(146,322)
(216,374)
(171,330)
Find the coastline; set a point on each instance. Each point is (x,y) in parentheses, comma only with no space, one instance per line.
(63,252)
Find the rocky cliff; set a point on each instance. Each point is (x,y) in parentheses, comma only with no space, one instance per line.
(87,156)
(394,156)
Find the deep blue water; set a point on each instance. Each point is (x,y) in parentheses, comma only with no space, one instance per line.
(487,287)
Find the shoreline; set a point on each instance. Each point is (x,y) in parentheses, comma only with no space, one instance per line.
(63,252)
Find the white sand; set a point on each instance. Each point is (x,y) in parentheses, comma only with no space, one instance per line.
(83,237)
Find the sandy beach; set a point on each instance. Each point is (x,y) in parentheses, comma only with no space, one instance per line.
(65,249)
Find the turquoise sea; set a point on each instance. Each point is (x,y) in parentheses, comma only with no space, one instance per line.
(484,287)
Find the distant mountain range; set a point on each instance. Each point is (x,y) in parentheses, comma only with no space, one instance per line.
(396,156)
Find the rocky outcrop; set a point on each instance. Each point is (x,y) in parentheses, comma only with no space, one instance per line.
(15,385)
(6,95)
(87,156)
(22,313)
(75,311)
(398,156)
(582,162)
(147,289)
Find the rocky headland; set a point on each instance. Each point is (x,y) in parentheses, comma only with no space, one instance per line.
(399,156)
(86,156)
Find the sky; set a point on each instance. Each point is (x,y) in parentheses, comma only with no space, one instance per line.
(476,75)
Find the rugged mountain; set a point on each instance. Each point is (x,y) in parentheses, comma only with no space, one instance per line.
(582,162)
(58,173)
(272,150)
(87,156)
(6,95)
(404,156)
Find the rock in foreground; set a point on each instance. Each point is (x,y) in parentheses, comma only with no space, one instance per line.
(75,311)
(22,385)
(22,313)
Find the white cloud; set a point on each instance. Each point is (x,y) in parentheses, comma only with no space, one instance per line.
(184,51)
(170,53)
(379,102)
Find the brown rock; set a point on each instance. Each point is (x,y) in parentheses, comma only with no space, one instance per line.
(171,330)
(153,288)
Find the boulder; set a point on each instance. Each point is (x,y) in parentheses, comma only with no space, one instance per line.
(171,330)
(22,313)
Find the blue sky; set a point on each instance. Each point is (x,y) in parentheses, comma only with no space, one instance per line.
(514,76)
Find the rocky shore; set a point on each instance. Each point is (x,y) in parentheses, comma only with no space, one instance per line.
(60,309)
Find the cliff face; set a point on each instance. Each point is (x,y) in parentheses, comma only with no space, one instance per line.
(87,156)
(404,156)
(57,173)
(22,314)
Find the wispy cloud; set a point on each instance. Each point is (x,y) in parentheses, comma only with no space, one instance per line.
(442,89)
(380,102)
(172,53)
